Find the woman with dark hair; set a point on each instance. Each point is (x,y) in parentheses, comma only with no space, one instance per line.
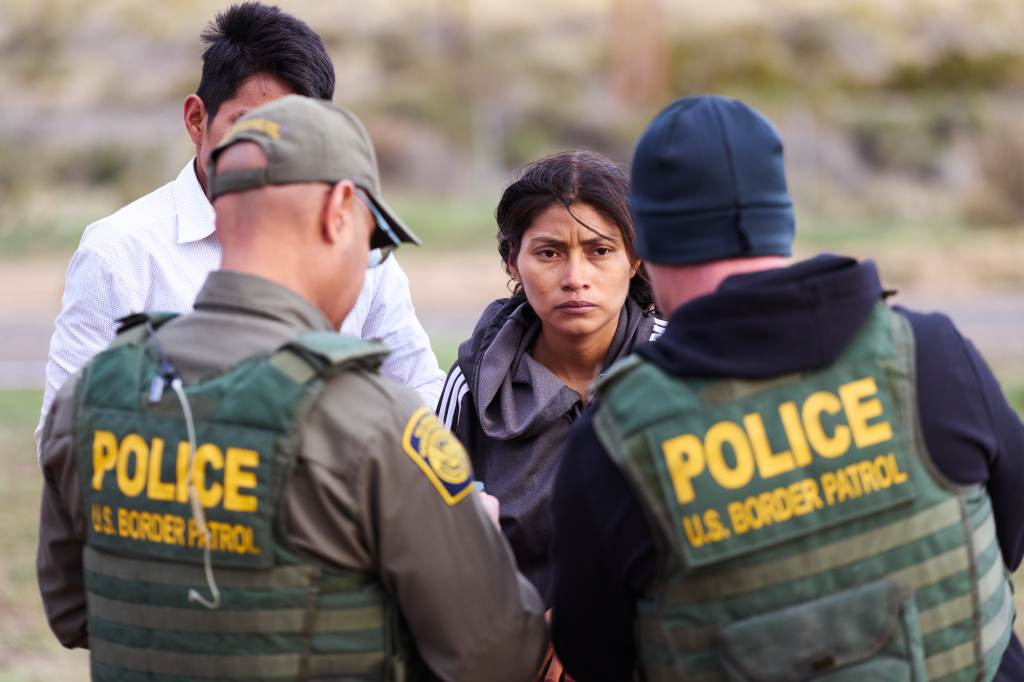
(581,301)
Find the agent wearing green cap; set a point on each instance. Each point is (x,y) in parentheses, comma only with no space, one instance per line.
(156,252)
(236,494)
(795,481)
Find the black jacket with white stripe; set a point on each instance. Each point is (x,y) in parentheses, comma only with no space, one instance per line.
(514,417)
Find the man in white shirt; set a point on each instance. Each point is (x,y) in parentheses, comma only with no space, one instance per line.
(155,253)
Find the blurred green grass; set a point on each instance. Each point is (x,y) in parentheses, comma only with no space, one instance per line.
(829,232)
(1016,395)
(466,223)
(448,223)
(23,235)
(445,223)
(446,349)
(28,651)
(1013,387)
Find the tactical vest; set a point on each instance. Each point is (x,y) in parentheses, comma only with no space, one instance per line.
(282,616)
(805,533)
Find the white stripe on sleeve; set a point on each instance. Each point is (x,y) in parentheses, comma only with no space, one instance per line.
(659,329)
(455,388)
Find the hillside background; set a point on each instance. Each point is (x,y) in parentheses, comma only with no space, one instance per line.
(903,122)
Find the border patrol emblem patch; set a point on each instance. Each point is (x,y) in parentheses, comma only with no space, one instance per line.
(439,455)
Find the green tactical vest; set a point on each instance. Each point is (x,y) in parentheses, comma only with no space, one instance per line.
(282,616)
(804,530)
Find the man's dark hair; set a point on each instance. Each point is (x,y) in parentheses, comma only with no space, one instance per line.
(251,38)
(570,178)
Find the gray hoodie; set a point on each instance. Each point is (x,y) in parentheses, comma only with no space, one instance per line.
(514,417)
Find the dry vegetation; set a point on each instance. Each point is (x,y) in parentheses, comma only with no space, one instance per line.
(903,123)
(890,109)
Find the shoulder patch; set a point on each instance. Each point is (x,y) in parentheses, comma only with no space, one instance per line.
(439,454)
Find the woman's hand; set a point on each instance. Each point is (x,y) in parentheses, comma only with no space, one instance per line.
(555,671)
(492,507)
(551,669)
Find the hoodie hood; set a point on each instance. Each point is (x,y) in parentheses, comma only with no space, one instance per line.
(514,395)
(772,322)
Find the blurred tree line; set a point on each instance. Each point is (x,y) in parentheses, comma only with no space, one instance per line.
(908,108)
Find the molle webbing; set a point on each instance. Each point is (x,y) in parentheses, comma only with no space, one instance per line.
(282,616)
(811,562)
(936,542)
(933,581)
(270,625)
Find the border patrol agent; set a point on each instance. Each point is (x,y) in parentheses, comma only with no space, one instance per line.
(796,481)
(236,494)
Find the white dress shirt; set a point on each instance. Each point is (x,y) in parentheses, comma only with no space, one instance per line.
(155,253)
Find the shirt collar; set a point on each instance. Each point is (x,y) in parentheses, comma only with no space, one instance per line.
(252,295)
(194,210)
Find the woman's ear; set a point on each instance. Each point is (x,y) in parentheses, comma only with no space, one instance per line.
(635,267)
(513,271)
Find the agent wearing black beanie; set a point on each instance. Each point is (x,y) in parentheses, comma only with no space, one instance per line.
(715,227)
(708,183)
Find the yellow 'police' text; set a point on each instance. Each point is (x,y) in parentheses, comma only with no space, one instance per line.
(137,468)
(689,455)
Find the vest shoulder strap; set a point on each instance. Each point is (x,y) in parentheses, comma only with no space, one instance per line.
(325,354)
(616,372)
(132,328)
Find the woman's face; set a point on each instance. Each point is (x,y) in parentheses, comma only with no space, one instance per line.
(574,278)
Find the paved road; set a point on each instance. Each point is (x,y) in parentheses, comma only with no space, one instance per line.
(23,348)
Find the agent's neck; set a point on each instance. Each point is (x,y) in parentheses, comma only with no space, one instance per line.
(290,273)
(677,285)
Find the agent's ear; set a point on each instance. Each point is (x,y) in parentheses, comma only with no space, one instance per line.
(195,118)
(339,210)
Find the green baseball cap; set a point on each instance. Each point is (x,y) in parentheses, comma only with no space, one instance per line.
(308,140)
